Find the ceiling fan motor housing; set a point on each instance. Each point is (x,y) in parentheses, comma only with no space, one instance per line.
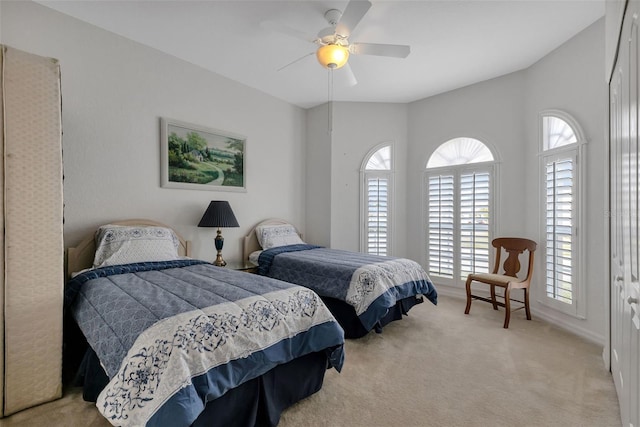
(333,16)
(333,42)
(334,50)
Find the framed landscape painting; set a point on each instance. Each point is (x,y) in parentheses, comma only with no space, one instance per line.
(199,158)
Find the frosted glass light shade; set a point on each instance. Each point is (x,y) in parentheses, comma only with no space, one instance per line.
(332,56)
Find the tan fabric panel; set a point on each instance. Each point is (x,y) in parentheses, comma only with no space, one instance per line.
(1,231)
(34,254)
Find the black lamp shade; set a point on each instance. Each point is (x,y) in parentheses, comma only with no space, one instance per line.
(218,214)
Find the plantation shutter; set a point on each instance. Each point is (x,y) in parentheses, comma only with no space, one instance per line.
(559,227)
(459,179)
(377,215)
(474,223)
(441,225)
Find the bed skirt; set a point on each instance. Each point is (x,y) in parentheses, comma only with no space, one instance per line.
(258,402)
(346,316)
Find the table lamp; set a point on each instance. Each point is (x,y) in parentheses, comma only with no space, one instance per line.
(219,214)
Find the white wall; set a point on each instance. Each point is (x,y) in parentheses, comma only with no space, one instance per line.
(334,159)
(318,177)
(503,113)
(614,14)
(491,112)
(357,128)
(572,79)
(113,93)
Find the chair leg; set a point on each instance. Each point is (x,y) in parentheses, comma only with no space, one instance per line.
(526,303)
(493,297)
(507,307)
(468,286)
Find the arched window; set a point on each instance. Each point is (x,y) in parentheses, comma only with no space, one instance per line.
(560,176)
(556,132)
(460,151)
(459,181)
(377,188)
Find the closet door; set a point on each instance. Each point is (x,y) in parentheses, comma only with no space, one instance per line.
(631,318)
(625,220)
(617,88)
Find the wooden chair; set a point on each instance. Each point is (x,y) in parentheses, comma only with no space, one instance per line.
(508,279)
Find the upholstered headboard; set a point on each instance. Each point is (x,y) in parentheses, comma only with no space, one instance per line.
(81,256)
(250,243)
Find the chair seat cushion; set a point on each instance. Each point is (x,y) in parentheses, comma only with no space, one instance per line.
(496,279)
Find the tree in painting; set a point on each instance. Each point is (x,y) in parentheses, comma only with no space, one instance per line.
(205,158)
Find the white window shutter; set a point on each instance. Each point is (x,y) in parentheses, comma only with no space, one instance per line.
(376,201)
(474,223)
(460,175)
(441,199)
(377,215)
(559,228)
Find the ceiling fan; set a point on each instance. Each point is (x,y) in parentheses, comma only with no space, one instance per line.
(333,42)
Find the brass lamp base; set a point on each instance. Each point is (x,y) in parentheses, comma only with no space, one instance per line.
(219,241)
(219,261)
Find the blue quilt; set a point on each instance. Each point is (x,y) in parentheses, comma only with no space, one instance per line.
(371,284)
(173,335)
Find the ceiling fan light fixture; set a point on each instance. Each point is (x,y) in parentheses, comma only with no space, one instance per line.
(332,56)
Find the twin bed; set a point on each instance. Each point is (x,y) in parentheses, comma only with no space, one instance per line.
(164,340)
(160,339)
(364,292)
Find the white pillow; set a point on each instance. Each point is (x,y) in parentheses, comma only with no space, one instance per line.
(254,257)
(119,244)
(272,236)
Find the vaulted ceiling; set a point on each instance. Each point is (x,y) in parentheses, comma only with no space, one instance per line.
(454,43)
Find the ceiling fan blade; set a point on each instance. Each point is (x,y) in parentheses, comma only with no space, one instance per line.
(349,77)
(393,50)
(295,61)
(352,15)
(287,31)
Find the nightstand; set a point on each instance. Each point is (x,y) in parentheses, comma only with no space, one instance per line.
(246,266)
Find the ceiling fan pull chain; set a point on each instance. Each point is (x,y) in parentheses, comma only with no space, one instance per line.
(330,100)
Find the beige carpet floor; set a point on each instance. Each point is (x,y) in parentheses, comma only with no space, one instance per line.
(437,367)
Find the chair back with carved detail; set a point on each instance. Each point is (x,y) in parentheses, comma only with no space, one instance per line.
(513,247)
(507,278)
